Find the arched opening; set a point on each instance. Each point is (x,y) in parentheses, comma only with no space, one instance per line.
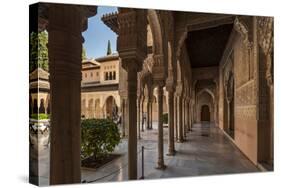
(83,108)
(205,113)
(42,107)
(90,108)
(111,108)
(35,106)
(49,107)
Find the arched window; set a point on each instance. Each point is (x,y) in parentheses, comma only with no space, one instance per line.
(110,76)
(114,75)
(106,76)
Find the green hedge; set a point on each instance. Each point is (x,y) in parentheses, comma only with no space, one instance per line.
(165,118)
(40,116)
(99,137)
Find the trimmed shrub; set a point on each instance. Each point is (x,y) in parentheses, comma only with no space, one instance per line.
(40,116)
(165,118)
(99,137)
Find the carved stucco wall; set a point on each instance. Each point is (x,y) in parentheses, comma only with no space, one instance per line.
(245,94)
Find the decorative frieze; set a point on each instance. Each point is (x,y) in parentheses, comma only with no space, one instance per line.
(245,113)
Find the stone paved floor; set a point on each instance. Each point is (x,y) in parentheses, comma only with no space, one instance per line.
(206,151)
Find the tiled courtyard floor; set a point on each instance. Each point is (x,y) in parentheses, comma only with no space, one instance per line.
(207,151)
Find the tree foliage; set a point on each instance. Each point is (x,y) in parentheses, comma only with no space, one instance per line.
(39,51)
(99,137)
(108,48)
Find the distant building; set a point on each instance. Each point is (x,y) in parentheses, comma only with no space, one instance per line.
(39,92)
(99,87)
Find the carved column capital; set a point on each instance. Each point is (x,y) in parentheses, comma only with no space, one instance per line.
(131,41)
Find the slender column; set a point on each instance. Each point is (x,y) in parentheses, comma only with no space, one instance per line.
(132,113)
(148,114)
(151,115)
(184,118)
(131,45)
(188,115)
(142,112)
(139,121)
(160,163)
(176,117)
(123,118)
(171,147)
(65,47)
(180,122)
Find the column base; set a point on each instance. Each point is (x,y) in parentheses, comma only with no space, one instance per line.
(161,167)
(180,141)
(171,153)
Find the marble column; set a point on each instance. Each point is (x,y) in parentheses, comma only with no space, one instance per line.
(142,112)
(160,162)
(148,114)
(171,144)
(131,45)
(65,48)
(180,121)
(176,117)
(132,113)
(151,115)
(184,118)
(139,119)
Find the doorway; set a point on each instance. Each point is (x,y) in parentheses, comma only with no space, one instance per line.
(205,113)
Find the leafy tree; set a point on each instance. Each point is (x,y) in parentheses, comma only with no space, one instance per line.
(39,51)
(99,137)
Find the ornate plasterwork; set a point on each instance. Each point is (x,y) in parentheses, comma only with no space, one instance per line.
(243,29)
(182,36)
(131,42)
(265,32)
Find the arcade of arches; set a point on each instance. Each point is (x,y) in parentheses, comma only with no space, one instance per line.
(212,67)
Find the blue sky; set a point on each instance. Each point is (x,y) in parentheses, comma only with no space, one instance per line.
(98,34)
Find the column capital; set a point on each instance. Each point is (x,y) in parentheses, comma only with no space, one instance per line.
(44,8)
(131,41)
